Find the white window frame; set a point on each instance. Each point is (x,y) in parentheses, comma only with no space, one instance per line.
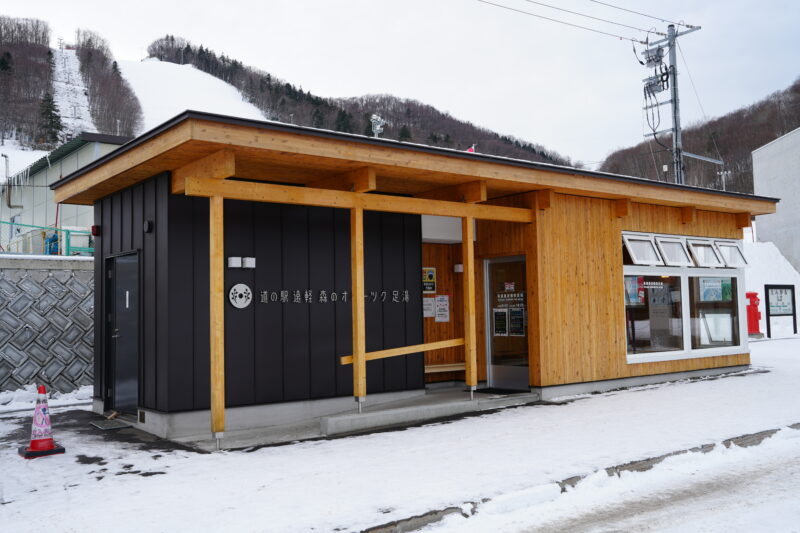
(696,256)
(627,237)
(684,273)
(677,240)
(731,244)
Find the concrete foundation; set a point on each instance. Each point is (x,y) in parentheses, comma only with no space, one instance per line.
(572,389)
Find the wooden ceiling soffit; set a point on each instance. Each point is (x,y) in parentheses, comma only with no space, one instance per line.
(358,180)
(472,169)
(472,192)
(219,165)
(287,194)
(80,191)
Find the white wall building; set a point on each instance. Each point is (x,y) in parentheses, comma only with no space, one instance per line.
(776,173)
(28,200)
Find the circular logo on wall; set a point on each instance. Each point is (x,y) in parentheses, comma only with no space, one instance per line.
(240,296)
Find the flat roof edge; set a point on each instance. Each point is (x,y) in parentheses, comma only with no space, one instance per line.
(329,134)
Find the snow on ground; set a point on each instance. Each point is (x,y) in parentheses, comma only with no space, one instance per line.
(24,399)
(70,93)
(726,490)
(18,158)
(167,89)
(769,266)
(357,482)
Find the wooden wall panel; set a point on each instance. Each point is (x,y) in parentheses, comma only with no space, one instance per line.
(444,257)
(583,333)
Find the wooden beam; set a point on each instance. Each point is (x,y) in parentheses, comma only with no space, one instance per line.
(360,180)
(688,214)
(544,199)
(446,367)
(743,220)
(622,207)
(534,279)
(219,165)
(216,254)
(405,350)
(357,290)
(471,192)
(287,194)
(470,327)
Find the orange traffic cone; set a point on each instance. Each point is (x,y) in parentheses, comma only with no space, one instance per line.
(42,442)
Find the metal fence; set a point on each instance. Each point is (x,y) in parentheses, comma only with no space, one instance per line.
(28,239)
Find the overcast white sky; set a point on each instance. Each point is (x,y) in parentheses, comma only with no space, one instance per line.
(573,91)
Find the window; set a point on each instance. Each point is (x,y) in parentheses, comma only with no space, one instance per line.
(642,250)
(731,254)
(705,253)
(683,297)
(674,252)
(714,311)
(653,313)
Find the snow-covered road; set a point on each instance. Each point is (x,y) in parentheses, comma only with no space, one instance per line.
(353,483)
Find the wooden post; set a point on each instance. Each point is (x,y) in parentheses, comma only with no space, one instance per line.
(217,312)
(468,260)
(357,290)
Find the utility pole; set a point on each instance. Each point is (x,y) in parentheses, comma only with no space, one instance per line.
(653,56)
(677,144)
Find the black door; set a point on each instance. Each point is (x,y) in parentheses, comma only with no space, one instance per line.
(123,292)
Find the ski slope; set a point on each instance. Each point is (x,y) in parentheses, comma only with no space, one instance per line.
(167,89)
(71,94)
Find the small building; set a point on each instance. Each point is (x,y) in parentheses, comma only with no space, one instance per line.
(776,171)
(248,265)
(27,202)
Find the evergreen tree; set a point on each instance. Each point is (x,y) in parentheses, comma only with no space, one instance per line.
(405,134)
(344,121)
(432,139)
(49,119)
(5,62)
(368,129)
(317,118)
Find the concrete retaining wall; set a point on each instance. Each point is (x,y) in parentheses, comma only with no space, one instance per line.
(46,322)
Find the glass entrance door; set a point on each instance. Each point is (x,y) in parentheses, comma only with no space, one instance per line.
(507,323)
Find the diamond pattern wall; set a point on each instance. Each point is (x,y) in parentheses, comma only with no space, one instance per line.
(46,328)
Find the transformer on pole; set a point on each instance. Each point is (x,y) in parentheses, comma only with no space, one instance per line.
(660,81)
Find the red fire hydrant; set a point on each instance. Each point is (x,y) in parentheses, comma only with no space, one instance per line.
(753,315)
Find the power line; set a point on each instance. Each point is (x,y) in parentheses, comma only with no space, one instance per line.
(591,17)
(697,95)
(642,14)
(562,22)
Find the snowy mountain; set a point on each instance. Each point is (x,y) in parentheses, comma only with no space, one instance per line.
(70,94)
(166,89)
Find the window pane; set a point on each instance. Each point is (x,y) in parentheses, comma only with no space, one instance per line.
(674,252)
(653,313)
(705,255)
(731,254)
(643,251)
(714,312)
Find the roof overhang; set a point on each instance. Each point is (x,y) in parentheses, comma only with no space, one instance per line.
(283,153)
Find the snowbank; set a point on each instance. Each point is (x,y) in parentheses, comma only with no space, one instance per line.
(167,89)
(25,398)
(769,267)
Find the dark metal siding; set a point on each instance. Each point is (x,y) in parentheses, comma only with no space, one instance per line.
(273,352)
(121,218)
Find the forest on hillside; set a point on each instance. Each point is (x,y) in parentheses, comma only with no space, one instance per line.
(26,69)
(29,112)
(731,138)
(406,120)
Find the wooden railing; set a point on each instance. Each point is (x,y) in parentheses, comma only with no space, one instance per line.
(404,350)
